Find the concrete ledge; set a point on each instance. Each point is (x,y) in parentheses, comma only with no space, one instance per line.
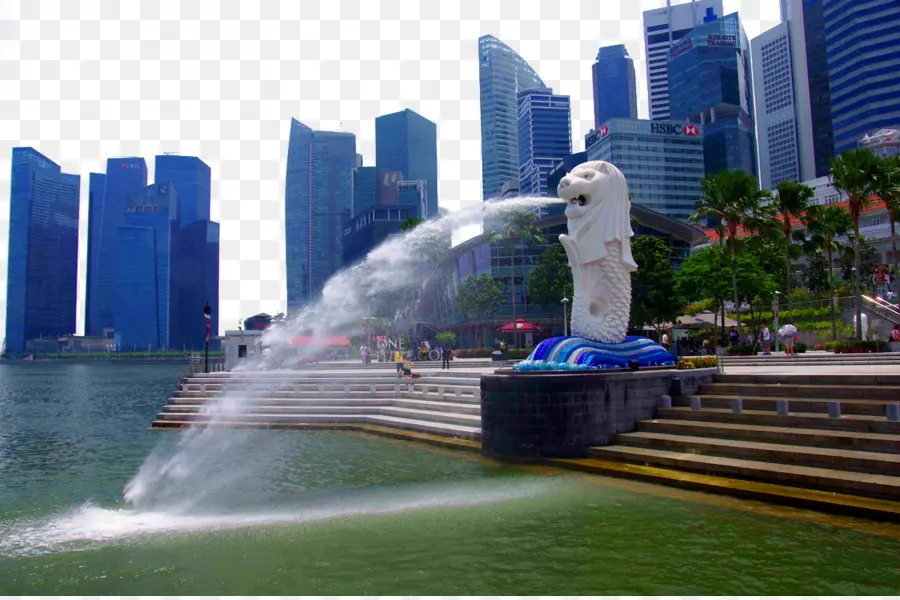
(401,434)
(828,502)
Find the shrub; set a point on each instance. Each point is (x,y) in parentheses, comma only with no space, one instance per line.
(800,347)
(697,362)
(741,350)
(820,347)
(446,338)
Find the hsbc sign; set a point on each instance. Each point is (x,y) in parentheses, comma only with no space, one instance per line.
(671,129)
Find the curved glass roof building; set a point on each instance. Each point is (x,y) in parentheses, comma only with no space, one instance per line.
(502,74)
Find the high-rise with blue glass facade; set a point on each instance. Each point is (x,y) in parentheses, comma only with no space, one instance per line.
(123,176)
(317,202)
(615,85)
(197,250)
(42,276)
(365,189)
(147,269)
(502,74)
(192,179)
(863,44)
(544,137)
(406,142)
(710,84)
(96,186)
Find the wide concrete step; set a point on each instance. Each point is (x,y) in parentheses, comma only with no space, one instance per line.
(265,421)
(448,416)
(790,390)
(821,357)
(849,423)
(827,458)
(805,405)
(813,378)
(784,434)
(866,484)
(462,406)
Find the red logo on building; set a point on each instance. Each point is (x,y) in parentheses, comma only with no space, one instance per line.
(124,165)
(604,130)
(690,130)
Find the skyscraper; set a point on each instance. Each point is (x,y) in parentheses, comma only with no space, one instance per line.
(123,176)
(615,91)
(502,75)
(147,269)
(544,137)
(195,284)
(317,201)
(406,141)
(809,55)
(710,85)
(192,180)
(783,122)
(97,184)
(42,274)
(662,26)
(365,189)
(863,44)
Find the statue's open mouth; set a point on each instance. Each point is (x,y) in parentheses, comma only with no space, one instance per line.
(580,200)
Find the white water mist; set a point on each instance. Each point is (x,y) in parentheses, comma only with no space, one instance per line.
(206,459)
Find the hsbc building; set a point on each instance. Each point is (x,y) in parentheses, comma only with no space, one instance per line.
(662,160)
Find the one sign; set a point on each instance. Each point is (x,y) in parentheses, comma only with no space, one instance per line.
(680,47)
(673,129)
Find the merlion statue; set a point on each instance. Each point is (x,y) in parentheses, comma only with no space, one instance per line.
(599,249)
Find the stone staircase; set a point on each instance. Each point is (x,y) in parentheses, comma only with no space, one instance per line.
(813,358)
(737,427)
(447,405)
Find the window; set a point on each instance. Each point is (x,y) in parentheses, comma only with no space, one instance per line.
(242,351)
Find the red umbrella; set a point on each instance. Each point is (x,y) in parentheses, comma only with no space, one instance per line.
(521,325)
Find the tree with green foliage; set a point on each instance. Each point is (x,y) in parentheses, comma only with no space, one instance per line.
(551,278)
(793,203)
(854,173)
(734,199)
(445,338)
(887,187)
(479,297)
(411,223)
(513,230)
(831,223)
(866,262)
(654,289)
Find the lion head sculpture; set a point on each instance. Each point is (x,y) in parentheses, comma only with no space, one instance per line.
(598,210)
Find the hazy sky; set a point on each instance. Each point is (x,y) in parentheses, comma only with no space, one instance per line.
(84,80)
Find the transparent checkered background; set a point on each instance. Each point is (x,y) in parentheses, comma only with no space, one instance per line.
(85,80)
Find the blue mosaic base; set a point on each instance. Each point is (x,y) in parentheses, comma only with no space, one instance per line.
(580,354)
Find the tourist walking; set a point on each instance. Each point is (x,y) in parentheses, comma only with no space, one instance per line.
(733,338)
(665,340)
(398,358)
(407,368)
(765,339)
(788,334)
(446,355)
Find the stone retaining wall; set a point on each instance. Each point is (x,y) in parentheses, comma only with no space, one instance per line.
(562,414)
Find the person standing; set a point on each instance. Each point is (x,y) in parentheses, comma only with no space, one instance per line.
(765,339)
(665,340)
(446,355)
(398,358)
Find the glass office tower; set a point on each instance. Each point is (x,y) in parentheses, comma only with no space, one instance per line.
(544,137)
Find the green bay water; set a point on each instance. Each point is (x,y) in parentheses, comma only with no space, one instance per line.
(284,513)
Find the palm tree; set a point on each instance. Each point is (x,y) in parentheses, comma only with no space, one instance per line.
(736,202)
(887,187)
(830,223)
(515,227)
(854,173)
(792,202)
(707,206)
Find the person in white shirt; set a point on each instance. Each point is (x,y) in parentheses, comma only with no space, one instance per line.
(766,340)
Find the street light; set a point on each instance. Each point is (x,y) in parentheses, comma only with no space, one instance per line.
(207,318)
(775,311)
(565,303)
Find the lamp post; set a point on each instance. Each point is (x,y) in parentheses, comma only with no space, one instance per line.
(775,311)
(207,318)
(565,303)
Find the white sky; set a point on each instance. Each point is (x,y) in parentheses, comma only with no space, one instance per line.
(80,87)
